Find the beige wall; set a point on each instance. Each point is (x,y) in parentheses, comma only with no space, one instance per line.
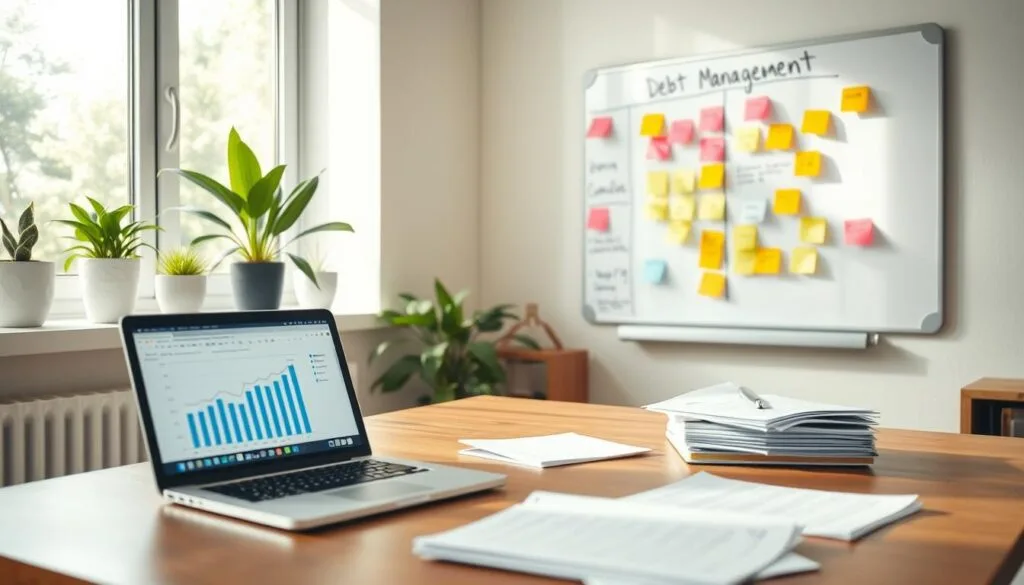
(534,56)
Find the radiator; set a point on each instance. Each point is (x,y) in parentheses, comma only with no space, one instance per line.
(51,437)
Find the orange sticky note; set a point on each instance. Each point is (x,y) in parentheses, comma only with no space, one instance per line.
(712,176)
(712,284)
(748,139)
(600,127)
(859,232)
(804,260)
(816,122)
(711,244)
(657,183)
(856,99)
(768,261)
(712,119)
(678,232)
(659,149)
(813,230)
(657,210)
(681,207)
(808,164)
(681,132)
(757,108)
(744,262)
(683,181)
(787,202)
(598,219)
(711,207)
(780,137)
(744,237)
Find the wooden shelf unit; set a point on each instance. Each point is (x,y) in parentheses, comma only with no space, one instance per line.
(982,403)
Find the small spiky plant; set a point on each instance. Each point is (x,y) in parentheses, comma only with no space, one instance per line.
(20,247)
(182,262)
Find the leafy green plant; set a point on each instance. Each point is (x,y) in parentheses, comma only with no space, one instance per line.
(185,261)
(20,247)
(101,234)
(451,357)
(258,207)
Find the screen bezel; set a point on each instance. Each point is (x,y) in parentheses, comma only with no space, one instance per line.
(132,323)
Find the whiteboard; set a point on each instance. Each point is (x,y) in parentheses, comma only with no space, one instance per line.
(885,164)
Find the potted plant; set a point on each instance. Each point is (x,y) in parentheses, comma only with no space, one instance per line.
(181,281)
(26,285)
(109,251)
(451,357)
(321,294)
(261,217)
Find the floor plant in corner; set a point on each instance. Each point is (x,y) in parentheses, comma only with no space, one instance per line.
(26,285)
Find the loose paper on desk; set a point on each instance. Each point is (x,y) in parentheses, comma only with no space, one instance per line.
(549,450)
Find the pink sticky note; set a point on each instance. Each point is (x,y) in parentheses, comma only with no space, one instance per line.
(712,119)
(598,219)
(859,232)
(681,132)
(660,149)
(600,127)
(758,108)
(712,149)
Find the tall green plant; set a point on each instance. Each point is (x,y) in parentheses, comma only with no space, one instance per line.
(258,207)
(100,234)
(450,356)
(20,247)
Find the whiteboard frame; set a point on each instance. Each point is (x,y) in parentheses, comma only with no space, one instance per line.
(931,32)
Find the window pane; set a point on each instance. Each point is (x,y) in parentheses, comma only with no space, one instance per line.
(63,109)
(227,66)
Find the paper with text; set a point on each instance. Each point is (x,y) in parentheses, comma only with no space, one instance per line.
(804,260)
(598,219)
(711,207)
(550,450)
(712,176)
(652,125)
(787,202)
(600,127)
(816,122)
(681,132)
(856,99)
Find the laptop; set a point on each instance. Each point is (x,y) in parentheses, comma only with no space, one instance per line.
(253,415)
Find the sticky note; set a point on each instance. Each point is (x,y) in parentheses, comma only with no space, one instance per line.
(711,207)
(768,261)
(758,108)
(657,183)
(751,211)
(816,122)
(654,271)
(712,149)
(681,207)
(600,127)
(780,137)
(659,149)
(804,260)
(808,163)
(744,237)
(787,202)
(712,284)
(678,231)
(711,244)
(652,125)
(813,230)
(712,176)
(856,99)
(598,219)
(657,210)
(744,262)
(683,181)
(712,119)
(748,139)
(859,232)
(681,132)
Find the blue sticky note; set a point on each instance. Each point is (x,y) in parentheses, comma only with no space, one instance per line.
(654,271)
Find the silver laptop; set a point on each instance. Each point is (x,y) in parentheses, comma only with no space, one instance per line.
(253,415)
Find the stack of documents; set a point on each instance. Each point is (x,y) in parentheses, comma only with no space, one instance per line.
(548,450)
(728,423)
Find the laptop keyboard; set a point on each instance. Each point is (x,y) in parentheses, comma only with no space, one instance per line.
(318,479)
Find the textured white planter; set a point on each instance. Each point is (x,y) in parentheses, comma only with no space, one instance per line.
(311,297)
(109,287)
(179,293)
(26,293)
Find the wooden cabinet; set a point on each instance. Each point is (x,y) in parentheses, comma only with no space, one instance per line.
(991,406)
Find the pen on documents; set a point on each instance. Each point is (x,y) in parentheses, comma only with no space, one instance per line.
(751,396)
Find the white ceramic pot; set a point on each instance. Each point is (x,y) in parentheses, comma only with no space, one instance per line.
(26,293)
(311,297)
(180,293)
(109,287)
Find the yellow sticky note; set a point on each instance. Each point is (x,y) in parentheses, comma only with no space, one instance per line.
(804,260)
(711,244)
(683,181)
(744,262)
(744,237)
(712,176)
(657,183)
(652,125)
(748,139)
(657,209)
(712,207)
(712,284)
(787,202)
(856,99)
(816,122)
(780,137)
(681,207)
(808,164)
(678,231)
(768,261)
(813,230)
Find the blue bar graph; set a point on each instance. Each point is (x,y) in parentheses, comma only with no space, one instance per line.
(245,423)
(224,421)
(284,411)
(192,430)
(234,423)
(255,419)
(298,395)
(213,423)
(273,412)
(206,433)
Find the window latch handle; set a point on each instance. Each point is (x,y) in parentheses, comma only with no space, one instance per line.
(171,95)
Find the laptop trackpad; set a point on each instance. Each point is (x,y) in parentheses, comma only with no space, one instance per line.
(384,490)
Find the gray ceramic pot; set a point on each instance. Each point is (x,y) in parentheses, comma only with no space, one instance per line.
(257,286)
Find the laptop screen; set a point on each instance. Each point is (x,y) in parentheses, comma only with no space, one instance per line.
(234,394)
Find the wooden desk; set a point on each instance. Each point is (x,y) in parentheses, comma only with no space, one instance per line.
(109,525)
